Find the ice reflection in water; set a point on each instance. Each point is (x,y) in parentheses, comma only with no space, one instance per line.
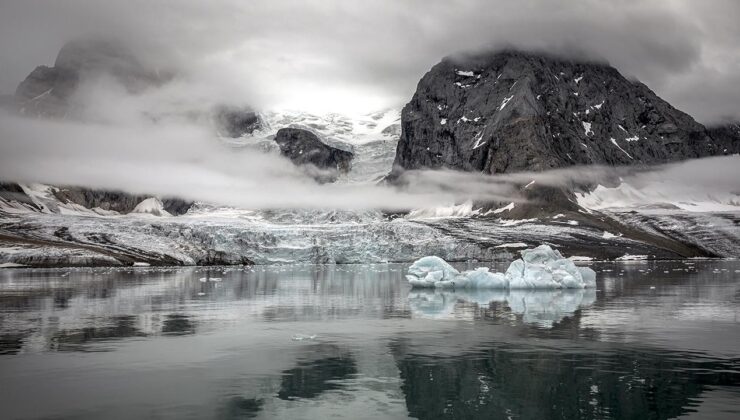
(654,340)
(540,307)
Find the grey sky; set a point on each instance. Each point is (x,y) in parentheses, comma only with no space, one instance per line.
(360,55)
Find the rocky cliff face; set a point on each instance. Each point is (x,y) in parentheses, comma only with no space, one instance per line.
(726,136)
(304,147)
(514,111)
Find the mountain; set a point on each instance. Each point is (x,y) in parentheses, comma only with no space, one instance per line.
(48,91)
(515,111)
(304,147)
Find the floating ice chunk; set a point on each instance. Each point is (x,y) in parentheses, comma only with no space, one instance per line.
(427,271)
(539,268)
(465,73)
(443,121)
(141,264)
(481,278)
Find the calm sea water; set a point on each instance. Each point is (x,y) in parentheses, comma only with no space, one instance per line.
(654,341)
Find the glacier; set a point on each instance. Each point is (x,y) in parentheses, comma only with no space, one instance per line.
(538,268)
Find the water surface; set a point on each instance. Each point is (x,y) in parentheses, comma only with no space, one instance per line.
(655,340)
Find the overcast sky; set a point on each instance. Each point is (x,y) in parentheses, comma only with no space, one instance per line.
(364,55)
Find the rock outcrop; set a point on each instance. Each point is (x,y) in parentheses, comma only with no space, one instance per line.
(305,148)
(515,111)
(236,122)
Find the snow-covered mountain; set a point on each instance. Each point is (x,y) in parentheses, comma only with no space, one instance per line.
(513,112)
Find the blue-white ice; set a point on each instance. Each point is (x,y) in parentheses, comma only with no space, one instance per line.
(539,268)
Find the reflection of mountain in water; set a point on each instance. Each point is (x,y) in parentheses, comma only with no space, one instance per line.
(541,307)
(522,382)
(312,377)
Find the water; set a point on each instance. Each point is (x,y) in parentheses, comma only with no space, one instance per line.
(654,341)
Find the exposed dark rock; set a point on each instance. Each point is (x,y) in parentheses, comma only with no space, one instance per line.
(303,147)
(726,136)
(236,122)
(515,111)
(10,191)
(48,91)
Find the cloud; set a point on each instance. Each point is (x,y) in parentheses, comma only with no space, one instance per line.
(333,54)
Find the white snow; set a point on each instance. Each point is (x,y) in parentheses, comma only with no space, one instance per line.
(659,192)
(508,207)
(151,205)
(478,142)
(635,138)
(609,235)
(461,210)
(512,245)
(530,184)
(599,105)
(505,101)
(578,79)
(465,73)
(539,268)
(443,121)
(614,142)
(580,258)
(141,264)
(587,128)
(463,119)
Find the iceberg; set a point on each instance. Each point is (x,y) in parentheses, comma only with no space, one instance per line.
(539,268)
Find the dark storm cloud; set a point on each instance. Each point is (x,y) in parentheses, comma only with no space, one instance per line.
(374,52)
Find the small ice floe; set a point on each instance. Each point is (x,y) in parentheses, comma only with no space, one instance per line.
(141,264)
(652,287)
(539,268)
(628,257)
(578,79)
(580,258)
(211,279)
(201,294)
(609,235)
(303,337)
(465,73)
(443,121)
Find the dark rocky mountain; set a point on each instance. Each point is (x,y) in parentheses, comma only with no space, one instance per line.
(305,148)
(48,91)
(119,201)
(515,111)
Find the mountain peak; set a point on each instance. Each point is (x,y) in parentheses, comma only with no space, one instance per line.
(512,110)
